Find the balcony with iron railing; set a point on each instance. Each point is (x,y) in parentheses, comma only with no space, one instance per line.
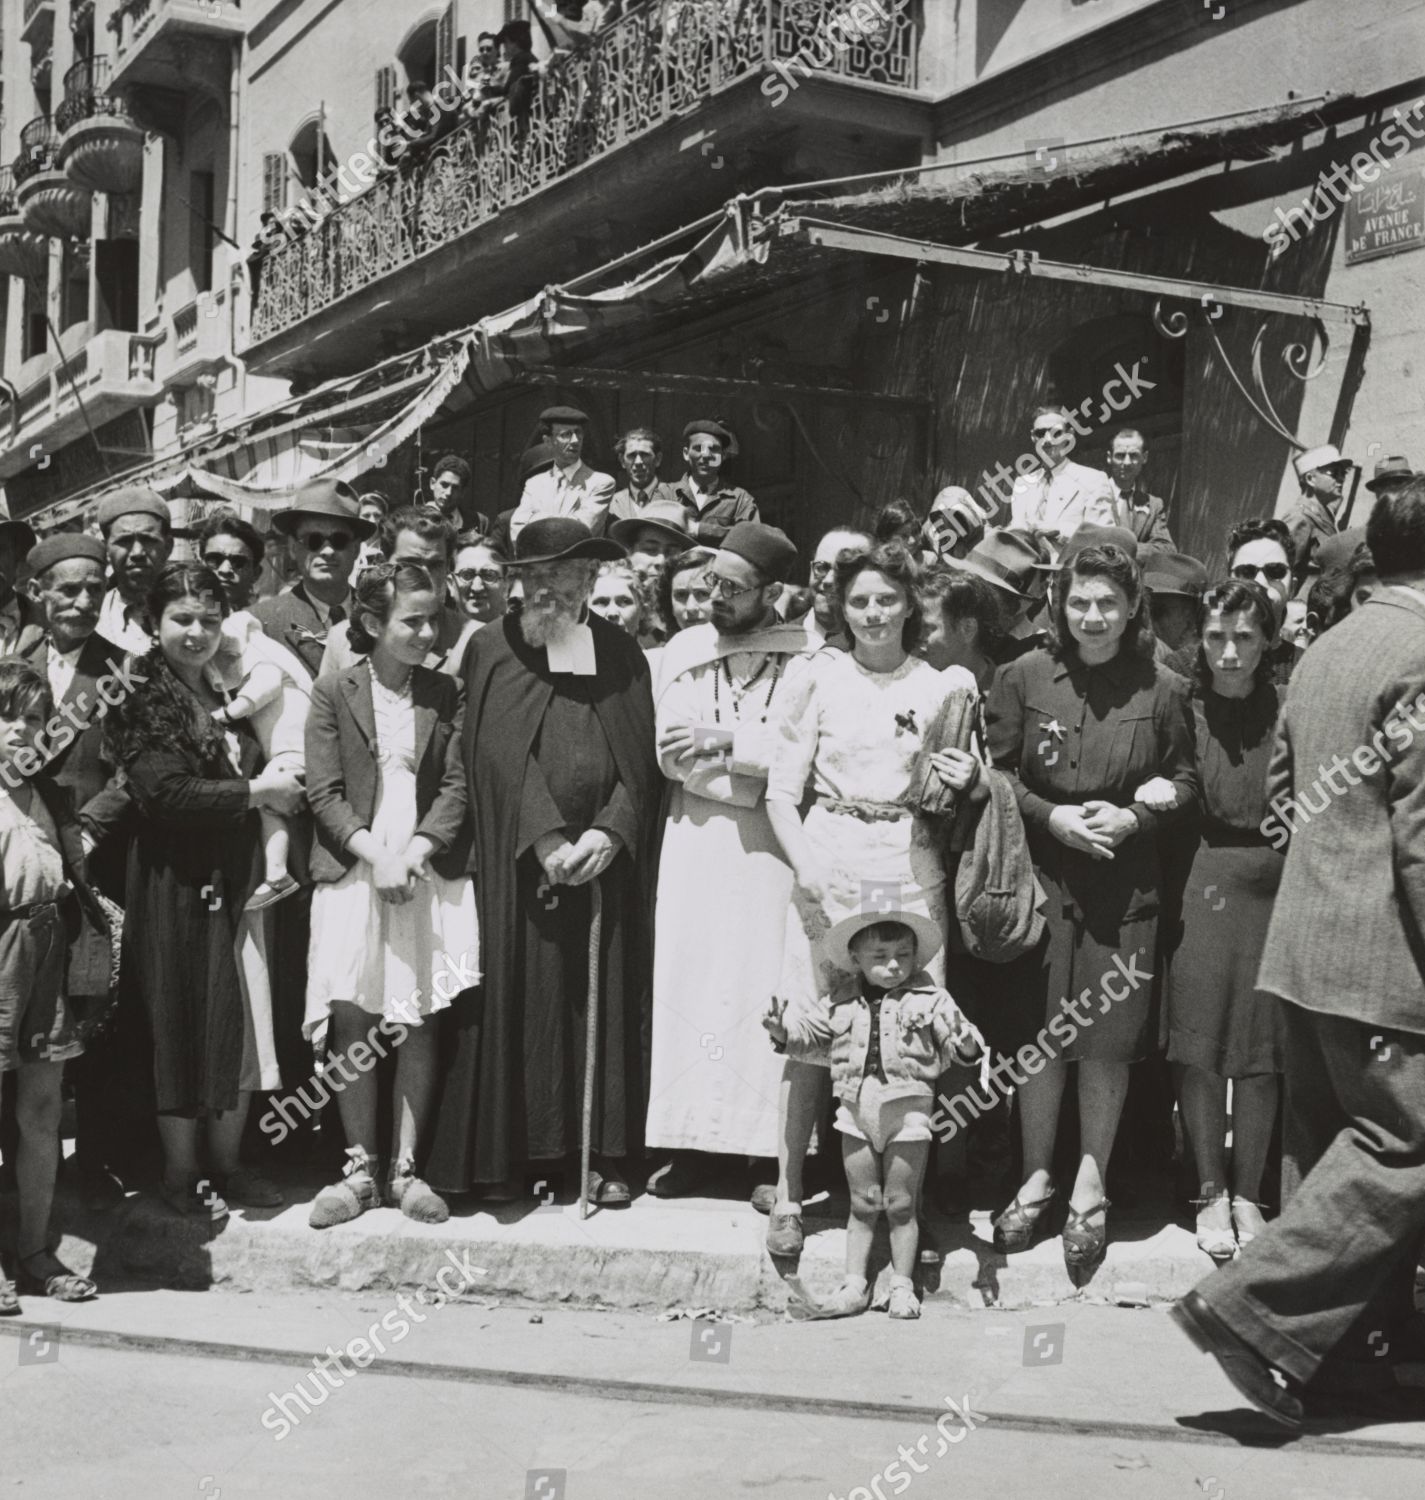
(38,144)
(101,147)
(49,202)
(22,251)
(671,65)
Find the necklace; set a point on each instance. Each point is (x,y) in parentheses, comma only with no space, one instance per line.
(738,696)
(395,692)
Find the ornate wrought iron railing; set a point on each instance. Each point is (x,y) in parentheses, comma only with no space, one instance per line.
(87,93)
(655,64)
(38,143)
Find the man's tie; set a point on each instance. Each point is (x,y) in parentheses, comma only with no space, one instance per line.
(338,614)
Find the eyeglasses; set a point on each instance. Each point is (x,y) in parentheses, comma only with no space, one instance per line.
(821,569)
(1276,572)
(216,560)
(315,541)
(1048,432)
(725,588)
(492,576)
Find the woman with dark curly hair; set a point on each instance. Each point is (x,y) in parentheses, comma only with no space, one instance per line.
(1078,727)
(1219,1024)
(190,952)
(852,728)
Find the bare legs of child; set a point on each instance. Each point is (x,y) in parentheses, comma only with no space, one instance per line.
(881,1182)
(276,846)
(414,1091)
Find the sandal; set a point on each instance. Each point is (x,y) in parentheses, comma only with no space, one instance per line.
(904,1303)
(1084,1246)
(1015,1229)
(352,1196)
(9,1299)
(608,1191)
(1247,1220)
(415,1198)
(1215,1240)
(57,1281)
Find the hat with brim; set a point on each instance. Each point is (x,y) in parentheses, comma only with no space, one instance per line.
(1004,559)
(666,517)
(1091,535)
(326,500)
(1327,456)
(1174,573)
(562,539)
(536,459)
(1396,469)
(928,936)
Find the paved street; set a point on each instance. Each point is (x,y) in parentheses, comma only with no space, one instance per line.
(161,1395)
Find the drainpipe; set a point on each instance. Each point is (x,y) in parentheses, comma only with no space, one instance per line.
(230,215)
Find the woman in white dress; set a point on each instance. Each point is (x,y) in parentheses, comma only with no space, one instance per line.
(394,934)
(852,729)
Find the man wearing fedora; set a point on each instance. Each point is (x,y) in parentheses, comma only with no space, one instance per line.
(1014,564)
(1392,474)
(659,532)
(639,450)
(1315,514)
(138,531)
(570,487)
(714,507)
(721,870)
(564,791)
(325,526)
(1175,583)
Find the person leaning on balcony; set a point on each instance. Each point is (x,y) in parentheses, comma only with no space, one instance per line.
(515,82)
(138,532)
(639,452)
(570,487)
(713,507)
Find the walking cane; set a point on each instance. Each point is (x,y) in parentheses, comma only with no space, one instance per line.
(591,1038)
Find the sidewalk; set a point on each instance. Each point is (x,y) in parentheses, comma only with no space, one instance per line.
(655,1255)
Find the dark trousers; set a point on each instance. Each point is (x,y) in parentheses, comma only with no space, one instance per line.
(1334,1273)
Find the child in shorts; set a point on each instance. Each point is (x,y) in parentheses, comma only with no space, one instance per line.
(892,1032)
(271,687)
(41,874)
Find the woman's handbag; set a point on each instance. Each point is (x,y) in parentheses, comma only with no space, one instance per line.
(952,728)
(998,899)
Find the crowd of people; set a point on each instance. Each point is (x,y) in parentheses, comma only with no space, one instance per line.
(612,823)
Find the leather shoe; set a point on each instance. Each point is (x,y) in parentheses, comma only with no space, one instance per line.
(680,1178)
(764,1197)
(785,1235)
(1240,1363)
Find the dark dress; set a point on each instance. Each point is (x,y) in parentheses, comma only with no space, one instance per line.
(193,861)
(1066,733)
(1217,1018)
(547,751)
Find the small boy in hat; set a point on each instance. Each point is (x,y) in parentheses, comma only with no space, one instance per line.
(892,1032)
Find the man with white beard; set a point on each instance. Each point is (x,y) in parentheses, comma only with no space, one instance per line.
(564,790)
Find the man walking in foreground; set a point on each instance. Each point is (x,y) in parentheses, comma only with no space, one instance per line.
(1318,1307)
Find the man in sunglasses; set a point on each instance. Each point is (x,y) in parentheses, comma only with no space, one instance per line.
(1055,498)
(1315,514)
(325,526)
(1261,551)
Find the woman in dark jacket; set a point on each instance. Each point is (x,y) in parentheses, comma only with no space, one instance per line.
(1219,1024)
(193,861)
(1079,727)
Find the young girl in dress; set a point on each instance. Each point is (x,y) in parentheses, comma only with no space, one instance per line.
(394,933)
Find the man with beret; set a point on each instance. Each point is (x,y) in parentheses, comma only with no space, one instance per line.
(570,487)
(564,791)
(325,525)
(714,507)
(138,531)
(86,673)
(1145,515)
(19,626)
(721,873)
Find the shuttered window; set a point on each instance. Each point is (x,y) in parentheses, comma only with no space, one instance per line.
(386,87)
(274,181)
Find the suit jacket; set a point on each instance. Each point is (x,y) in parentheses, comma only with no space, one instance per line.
(77,758)
(729,505)
(586,498)
(343,775)
(1347,935)
(623,507)
(292,620)
(1148,520)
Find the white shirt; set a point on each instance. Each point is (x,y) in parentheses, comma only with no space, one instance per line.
(1059,503)
(60,667)
(120,625)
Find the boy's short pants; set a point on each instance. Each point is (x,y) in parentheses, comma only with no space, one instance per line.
(879,1121)
(35,1020)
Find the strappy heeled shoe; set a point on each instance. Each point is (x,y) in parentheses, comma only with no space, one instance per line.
(1015,1228)
(1083,1246)
(1214,1239)
(1247,1220)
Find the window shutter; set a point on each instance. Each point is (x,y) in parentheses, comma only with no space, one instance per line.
(445,41)
(386,87)
(274,182)
(516,10)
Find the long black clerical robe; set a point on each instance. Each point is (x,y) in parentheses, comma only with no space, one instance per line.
(545,752)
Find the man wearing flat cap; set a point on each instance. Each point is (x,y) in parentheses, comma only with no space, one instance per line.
(724,885)
(571,487)
(138,532)
(19,625)
(324,525)
(1315,514)
(714,506)
(564,789)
